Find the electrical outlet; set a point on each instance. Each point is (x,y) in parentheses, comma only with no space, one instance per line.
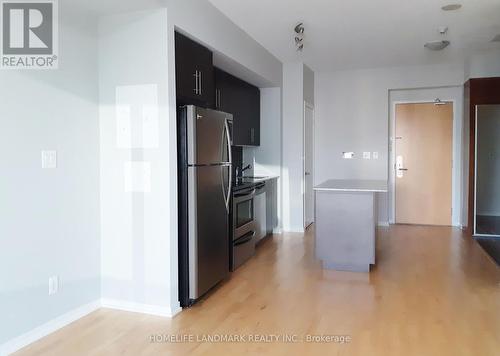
(53,285)
(375,155)
(366,155)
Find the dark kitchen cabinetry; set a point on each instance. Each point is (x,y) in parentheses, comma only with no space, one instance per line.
(194,72)
(241,99)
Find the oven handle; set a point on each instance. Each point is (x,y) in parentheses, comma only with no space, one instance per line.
(245,238)
(241,195)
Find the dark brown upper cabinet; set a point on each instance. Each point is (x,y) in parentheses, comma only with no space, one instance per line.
(237,97)
(194,72)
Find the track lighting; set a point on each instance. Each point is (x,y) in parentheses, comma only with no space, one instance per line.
(299,37)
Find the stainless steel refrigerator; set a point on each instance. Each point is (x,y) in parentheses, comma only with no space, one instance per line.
(204,180)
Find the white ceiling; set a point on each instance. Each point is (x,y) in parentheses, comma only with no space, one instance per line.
(347,34)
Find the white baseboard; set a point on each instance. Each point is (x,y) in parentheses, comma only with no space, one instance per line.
(139,307)
(48,328)
(296,231)
(383,223)
(53,325)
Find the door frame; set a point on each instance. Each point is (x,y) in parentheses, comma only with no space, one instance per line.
(477,91)
(310,106)
(474,233)
(455,183)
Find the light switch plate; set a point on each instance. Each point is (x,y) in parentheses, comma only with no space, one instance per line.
(53,285)
(375,155)
(348,155)
(49,159)
(366,155)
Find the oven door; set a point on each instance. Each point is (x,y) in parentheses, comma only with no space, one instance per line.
(243,249)
(243,213)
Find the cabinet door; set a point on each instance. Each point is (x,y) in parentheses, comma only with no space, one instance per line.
(206,77)
(194,72)
(185,66)
(241,99)
(254,116)
(229,99)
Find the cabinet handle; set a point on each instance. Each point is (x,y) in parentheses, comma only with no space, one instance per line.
(201,83)
(195,75)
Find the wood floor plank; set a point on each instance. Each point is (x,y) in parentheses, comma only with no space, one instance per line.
(432,292)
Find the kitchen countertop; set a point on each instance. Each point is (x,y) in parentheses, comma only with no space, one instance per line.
(247,182)
(352,185)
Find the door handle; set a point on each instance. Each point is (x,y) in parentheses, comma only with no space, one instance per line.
(245,194)
(245,238)
(399,167)
(307,173)
(230,183)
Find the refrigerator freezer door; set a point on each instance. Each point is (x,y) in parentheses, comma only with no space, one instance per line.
(207,137)
(208,229)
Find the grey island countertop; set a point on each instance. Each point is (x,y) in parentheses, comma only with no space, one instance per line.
(352,185)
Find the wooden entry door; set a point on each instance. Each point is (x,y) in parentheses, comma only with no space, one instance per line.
(423,144)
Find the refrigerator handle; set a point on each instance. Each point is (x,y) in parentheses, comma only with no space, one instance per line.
(229,189)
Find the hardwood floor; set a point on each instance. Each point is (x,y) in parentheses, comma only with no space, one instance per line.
(432,292)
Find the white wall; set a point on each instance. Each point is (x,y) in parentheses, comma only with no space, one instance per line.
(136,226)
(488,160)
(456,95)
(236,51)
(352,114)
(298,85)
(49,221)
(483,64)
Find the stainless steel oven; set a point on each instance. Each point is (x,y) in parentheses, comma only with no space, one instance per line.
(244,226)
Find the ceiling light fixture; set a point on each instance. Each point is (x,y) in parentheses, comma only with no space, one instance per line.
(299,36)
(451,7)
(437,45)
(442,30)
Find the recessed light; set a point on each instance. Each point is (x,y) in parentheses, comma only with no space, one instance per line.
(437,45)
(451,7)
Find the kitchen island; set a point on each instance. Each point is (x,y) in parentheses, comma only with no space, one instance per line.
(345,213)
